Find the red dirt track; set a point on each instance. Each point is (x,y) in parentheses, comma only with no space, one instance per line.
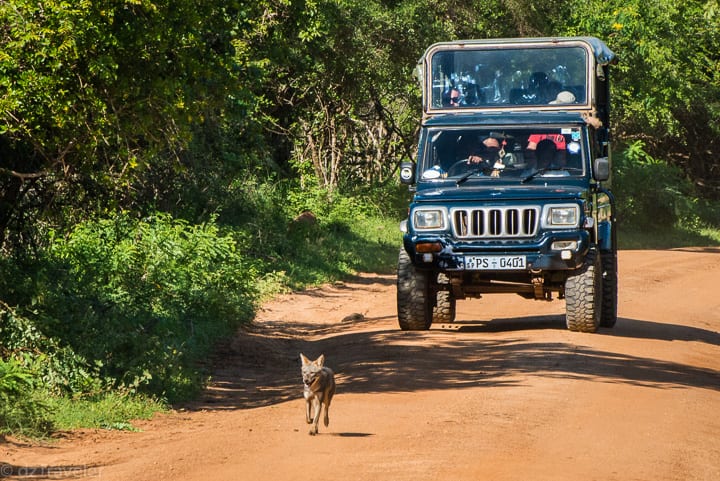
(505,393)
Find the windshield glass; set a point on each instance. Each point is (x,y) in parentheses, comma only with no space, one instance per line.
(518,154)
(506,77)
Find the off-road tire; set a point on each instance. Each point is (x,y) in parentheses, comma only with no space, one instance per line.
(608,317)
(583,295)
(415,309)
(444,310)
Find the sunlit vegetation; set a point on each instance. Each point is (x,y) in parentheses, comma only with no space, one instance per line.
(167,165)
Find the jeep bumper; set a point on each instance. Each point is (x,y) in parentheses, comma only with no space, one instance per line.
(552,251)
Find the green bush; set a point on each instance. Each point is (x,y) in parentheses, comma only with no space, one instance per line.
(21,412)
(145,300)
(57,367)
(345,233)
(657,198)
(652,195)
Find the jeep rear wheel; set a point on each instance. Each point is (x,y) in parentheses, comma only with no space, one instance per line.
(444,311)
(415,309)
(583,296)
(608,317)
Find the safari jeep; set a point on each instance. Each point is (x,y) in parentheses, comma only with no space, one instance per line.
(512,181)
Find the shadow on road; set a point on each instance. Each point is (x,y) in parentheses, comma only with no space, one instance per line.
(506,324)
(259,369)
(638,329)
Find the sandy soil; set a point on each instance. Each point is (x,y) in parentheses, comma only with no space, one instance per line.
(505,393)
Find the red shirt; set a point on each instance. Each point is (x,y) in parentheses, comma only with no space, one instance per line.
(557,138)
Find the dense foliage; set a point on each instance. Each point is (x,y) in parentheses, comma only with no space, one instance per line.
(667,88)
(156,155)
(152,104)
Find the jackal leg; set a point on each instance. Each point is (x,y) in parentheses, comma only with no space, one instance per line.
(316,408)
(307,411)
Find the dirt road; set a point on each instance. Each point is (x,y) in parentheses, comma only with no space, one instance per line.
(505,393)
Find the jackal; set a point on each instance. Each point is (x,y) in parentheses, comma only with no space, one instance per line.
(319,388)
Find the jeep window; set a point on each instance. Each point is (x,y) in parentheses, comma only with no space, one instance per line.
(506,77)
(459,154)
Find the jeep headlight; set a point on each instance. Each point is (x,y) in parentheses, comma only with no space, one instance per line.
(559,216)
(429,219)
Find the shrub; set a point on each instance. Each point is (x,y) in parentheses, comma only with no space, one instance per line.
(57,368)
(20,410)
(651,193)
(145,300)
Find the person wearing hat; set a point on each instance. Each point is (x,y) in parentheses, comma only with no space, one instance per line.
(564,97)
(476,152)
(487,152)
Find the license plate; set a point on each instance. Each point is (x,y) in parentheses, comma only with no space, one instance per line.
(494,263)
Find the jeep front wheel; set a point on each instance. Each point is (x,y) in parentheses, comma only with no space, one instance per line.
(583,295)
(415,309)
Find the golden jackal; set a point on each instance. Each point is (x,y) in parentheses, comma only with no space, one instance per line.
(319,382)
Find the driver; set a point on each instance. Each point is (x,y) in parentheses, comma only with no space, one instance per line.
(486,151)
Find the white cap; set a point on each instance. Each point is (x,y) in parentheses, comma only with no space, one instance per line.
(564,97)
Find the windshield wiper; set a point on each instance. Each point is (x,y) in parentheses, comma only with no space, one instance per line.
(534,174)
(477,170)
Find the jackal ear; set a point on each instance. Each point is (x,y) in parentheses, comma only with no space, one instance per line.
(320,360)
(304,359)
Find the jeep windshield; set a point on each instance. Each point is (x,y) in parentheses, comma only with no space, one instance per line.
(515,75)
(527,76)
(514,155)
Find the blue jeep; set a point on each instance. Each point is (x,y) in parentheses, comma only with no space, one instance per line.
(512,181)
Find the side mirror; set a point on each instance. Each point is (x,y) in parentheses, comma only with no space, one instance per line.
(407,173)
(601,169)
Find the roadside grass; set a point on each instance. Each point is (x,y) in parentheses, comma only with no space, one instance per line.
(326,253)
(111,411)
(672,238)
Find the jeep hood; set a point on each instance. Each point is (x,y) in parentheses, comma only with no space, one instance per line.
(504,193)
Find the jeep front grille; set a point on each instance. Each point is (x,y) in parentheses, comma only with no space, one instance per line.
(495,222)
